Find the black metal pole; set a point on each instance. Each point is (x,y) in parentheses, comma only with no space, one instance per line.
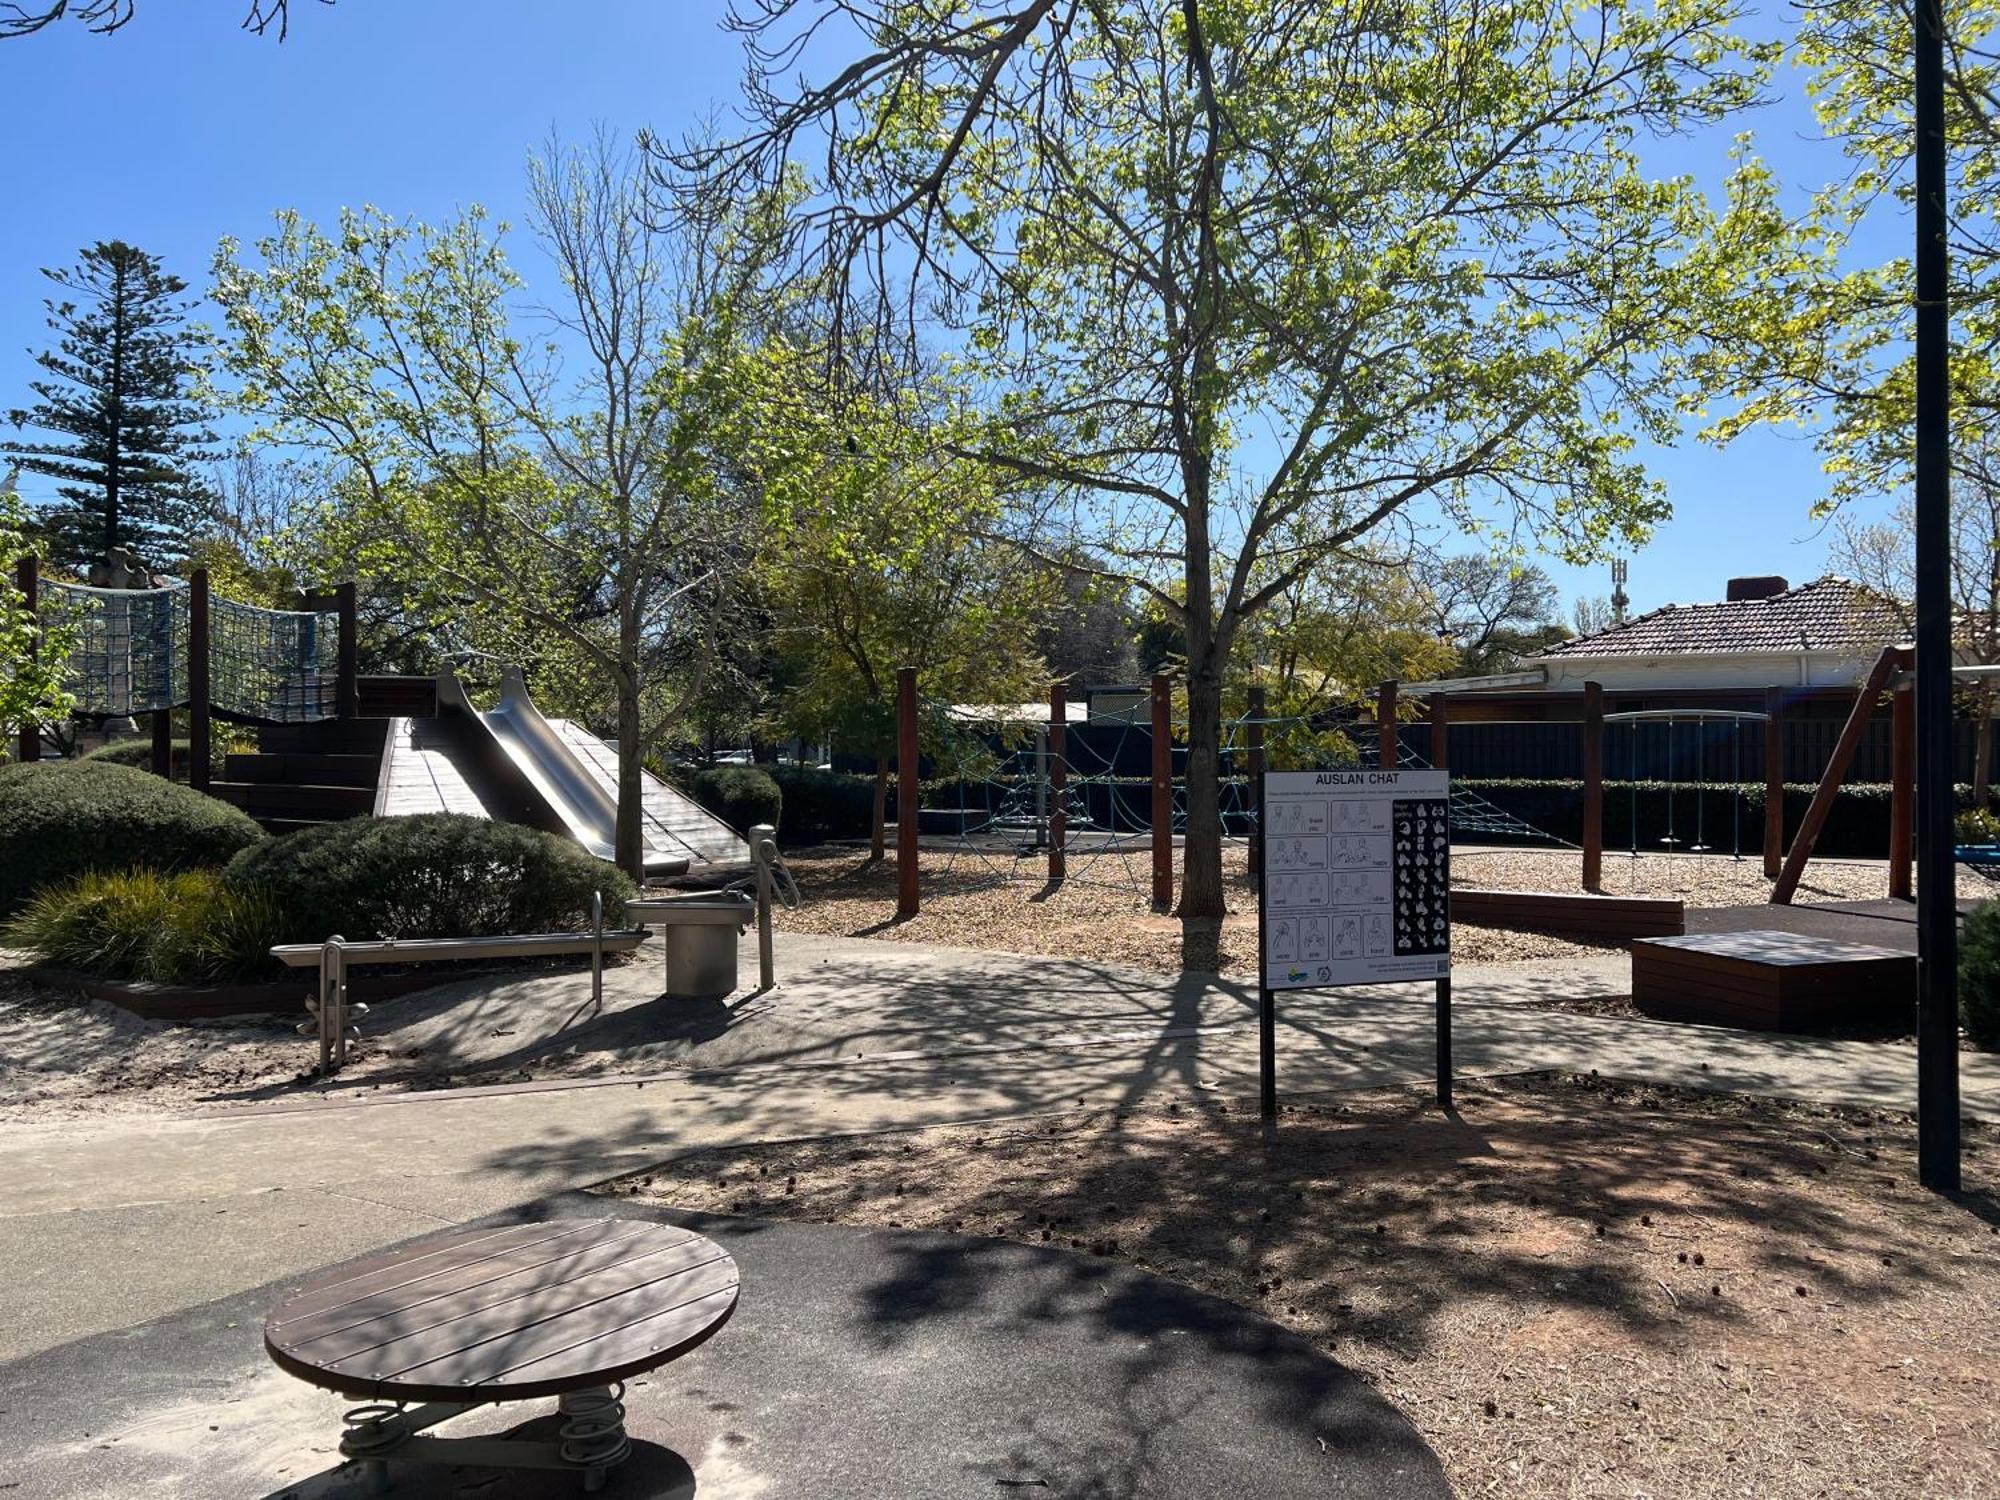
(1267,1002)
(1937,904)
(1444,1042)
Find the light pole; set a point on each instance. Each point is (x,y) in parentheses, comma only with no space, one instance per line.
(1937,904)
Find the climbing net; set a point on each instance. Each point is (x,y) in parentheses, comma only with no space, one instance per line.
(279,665)
(129,653)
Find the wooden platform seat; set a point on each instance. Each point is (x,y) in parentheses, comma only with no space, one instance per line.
(1572,914)
(1773,981)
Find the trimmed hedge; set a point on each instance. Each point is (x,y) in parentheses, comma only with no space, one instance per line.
(62,819)
(742,796)
(1979,974)
(139,753)
(186,928)
(441,875)
(1857,827)
(822,805)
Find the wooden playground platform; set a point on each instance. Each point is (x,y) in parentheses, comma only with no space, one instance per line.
(1569,914)
(1773,981)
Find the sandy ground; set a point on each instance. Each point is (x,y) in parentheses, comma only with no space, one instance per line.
(970,899)
(1572,1287)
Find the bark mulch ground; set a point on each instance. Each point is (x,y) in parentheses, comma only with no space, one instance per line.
(1574,1287)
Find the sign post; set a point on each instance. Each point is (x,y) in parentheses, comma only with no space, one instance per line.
(1356,890)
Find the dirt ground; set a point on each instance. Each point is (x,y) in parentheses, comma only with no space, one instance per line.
(971,899)
(1573,1287)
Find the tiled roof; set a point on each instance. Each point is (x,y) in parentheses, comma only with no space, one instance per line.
(1828,614)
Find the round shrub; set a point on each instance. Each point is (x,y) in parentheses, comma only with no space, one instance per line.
(185,928)
(822,805)
(61,819)
(441,875)
(1979,974)
(742,796)
(139,752)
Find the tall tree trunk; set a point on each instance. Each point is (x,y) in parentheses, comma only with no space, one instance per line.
(628,848)
(878,837)
(1201,856)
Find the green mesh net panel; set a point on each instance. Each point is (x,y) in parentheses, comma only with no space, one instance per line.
(131,654)
(130,651)
(273,664)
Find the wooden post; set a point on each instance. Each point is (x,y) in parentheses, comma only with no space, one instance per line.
(1255,852)
(1774,782)
(1593,786)
(1058,781)
(347,682)
(29,575)
(163,742)
(906,791)
(1902,789)
(1388,751)
(1441,731)
(1163,793)
(198,683)
(1891,658)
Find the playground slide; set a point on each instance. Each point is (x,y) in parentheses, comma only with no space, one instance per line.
(573,775)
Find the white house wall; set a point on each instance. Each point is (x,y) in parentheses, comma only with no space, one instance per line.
(1750,670)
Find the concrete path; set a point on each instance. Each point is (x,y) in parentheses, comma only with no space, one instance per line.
(933,1366)
(113,1221)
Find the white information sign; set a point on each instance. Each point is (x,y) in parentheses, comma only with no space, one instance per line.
(1357,877)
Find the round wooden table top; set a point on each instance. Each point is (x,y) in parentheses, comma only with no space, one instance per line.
(506,1314)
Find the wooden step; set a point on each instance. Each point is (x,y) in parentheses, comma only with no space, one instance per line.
(324,737)
(262,800)
(397,697)
(303,769)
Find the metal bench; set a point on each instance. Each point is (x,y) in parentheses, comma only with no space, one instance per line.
(332,958)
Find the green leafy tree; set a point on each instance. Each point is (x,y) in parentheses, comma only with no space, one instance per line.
(599,512)
(33,658)
(116,394)
(1255,277)
(1827,343)
(1493,608)
(878,563)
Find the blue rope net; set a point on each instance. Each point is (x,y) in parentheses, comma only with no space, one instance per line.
(278,665)
(130,654)
(129,646)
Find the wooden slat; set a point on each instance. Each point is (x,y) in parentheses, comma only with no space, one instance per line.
(412,1264)
(565,1254)
(463,1317)
(500,1348)
(507,1313)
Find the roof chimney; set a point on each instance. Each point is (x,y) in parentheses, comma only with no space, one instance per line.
(1755,588)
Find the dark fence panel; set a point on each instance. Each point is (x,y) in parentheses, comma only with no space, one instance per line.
(1685,750)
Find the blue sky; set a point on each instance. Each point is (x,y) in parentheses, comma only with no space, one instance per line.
(181,129)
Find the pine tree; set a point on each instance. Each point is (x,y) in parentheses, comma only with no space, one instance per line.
(116,395)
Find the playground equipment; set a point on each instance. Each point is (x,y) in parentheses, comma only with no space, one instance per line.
(1700,718)
(333,744)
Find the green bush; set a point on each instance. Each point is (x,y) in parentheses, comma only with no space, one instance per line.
(1979,974)
(742,796)
(1977,825)
(184,928)
(822,805)
(61,819)
(139,753)
(440,875)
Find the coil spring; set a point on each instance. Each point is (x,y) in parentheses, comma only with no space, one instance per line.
(592,1434)
(374,1429)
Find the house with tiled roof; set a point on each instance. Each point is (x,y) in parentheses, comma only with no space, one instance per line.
(1763,633)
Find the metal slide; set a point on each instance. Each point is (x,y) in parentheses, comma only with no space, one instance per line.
(574,775)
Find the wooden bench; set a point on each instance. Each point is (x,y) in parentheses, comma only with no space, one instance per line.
(1575,914)
(568,1308)
(1772,981)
